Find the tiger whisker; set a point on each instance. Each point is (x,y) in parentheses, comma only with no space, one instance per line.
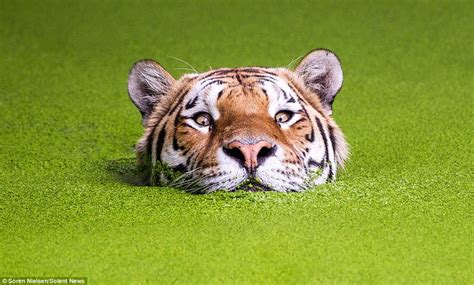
(205,187)
(185,62)
(290,65)
(184,68)
(184,175)
(189,183)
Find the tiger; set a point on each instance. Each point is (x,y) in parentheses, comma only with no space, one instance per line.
(244,128)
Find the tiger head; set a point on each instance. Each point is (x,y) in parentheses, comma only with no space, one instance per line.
(250,128)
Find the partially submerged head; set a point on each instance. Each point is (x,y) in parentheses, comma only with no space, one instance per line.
(267,127)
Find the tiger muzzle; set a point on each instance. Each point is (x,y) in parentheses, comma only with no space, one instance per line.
(250,155)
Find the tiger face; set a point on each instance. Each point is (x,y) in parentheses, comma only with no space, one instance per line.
(250,128)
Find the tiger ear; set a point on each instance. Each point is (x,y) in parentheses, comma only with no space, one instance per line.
(147,83)
(322,73)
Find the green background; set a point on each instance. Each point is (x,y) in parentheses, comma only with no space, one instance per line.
(401,212)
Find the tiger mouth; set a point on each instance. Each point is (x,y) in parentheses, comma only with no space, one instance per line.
(178,178)
(252,185)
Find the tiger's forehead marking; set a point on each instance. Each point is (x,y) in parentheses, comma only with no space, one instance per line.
(246,77)
(256,86)
(229,72)
(236,77)
(195,102)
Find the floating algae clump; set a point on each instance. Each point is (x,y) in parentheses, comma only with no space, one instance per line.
(252,185)
(314,174)
(161,172)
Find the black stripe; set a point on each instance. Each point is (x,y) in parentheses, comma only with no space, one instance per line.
(309,137)
(326,151)
(220,94)
(180,98)
(237,76)
(230,94)
(159,143)
(300,100)
(218,72)
(180,168)
(291,87)
(176,146)
(291,100)
(312,162)
(332,138)
(191,103)
(284,93)
(267,79)
(331,174)
(303,102)
(254,70)
(333,141)
(247,70)
(218,82)
(323,135)
(260,76)
(215,78)
(149,140)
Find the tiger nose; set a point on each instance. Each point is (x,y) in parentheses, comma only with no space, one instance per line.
(250,155)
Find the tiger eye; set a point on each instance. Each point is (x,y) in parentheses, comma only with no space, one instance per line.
(203,119)
(283,116)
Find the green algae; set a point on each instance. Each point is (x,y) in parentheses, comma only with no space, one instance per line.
(162,173)
(401,213)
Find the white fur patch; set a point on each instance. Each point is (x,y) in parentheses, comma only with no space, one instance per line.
(206,100)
